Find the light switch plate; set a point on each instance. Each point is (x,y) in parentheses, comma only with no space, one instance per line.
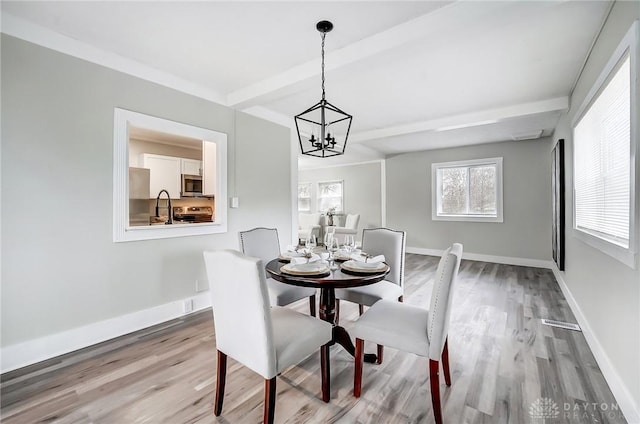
(188,306)
(235,202)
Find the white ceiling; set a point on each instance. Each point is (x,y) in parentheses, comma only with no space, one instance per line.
(415,75)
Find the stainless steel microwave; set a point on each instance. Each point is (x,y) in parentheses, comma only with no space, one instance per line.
(191,186)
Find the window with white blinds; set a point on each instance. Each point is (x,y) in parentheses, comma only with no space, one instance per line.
(602,161)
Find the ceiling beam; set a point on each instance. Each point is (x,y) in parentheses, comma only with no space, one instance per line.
(467,120)
(458,13)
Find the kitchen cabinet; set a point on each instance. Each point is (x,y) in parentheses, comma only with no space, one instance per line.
(138,196)
(139,184)
(164,174)
(191,166)
(209,165)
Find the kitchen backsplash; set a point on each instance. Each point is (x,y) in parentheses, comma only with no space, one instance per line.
(191,201)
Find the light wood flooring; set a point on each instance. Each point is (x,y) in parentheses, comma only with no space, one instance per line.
(504,365)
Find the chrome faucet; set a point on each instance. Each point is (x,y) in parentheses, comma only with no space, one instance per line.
(169,209)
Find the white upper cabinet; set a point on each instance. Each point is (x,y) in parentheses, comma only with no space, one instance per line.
(164,174)
(191,167)
(210,167)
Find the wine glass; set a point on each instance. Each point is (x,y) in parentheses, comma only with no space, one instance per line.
(327,239)
(311,243)
(333,248)
(349,243)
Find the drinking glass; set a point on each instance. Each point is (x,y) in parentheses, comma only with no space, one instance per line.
(333,248)
(349,243)
(327,239)
(312,243)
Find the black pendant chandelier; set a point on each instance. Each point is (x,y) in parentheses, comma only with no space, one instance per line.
(323,128)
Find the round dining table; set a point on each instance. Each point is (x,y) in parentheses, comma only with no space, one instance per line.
(336,279)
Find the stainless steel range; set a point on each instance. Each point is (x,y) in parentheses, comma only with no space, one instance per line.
(192,214)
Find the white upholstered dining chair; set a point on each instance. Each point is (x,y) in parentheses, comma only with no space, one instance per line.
(267,339)
(350,228)
(263,243)
(412,329)
(309,225)
(391,244)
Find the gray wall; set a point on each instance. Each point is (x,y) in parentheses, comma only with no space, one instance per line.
(60,268)
(526,230)
(607,291)
(362,190)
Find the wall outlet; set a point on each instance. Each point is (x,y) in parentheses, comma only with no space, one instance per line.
(188,306)
(201,285)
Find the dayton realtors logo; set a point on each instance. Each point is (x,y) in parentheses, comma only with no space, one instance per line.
(592,411)
(543,409)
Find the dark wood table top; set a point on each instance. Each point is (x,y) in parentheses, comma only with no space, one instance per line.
(335,279)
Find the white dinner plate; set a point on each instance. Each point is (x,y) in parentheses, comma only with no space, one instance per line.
(288,255)
(341,256)
(313,268)
(357,266)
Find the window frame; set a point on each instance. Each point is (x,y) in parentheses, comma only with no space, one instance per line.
(310,196)
(435,190)
(628,45)
(319,196)
(122,230)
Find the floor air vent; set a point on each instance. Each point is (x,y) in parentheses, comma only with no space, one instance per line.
(561,324)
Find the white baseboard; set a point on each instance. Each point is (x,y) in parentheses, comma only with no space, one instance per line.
(620,391)
(32,351)
(508,260)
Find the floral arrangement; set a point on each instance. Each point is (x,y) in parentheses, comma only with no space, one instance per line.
(330,213)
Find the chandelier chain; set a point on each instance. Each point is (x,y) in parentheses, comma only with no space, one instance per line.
(323,35)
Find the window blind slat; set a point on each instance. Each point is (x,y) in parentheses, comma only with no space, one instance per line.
(602,161)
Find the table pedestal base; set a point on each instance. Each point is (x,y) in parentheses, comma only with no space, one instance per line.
(340,335)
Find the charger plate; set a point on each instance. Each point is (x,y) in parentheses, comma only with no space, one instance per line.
(364,267)
(341,257)
(286,256)
(307,270)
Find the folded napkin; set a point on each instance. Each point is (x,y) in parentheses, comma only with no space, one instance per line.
(303,260)
(372,260)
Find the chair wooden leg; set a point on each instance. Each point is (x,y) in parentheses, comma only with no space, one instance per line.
(337,311)
(221,380)
(445,363)
(434,371)
(325,370)
(359,360)
(379,355)
(312,305)
(269,400)
(361,309)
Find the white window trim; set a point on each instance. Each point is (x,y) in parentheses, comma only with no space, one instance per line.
(630,43)
(319,197)
(470,218)
(122,231)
